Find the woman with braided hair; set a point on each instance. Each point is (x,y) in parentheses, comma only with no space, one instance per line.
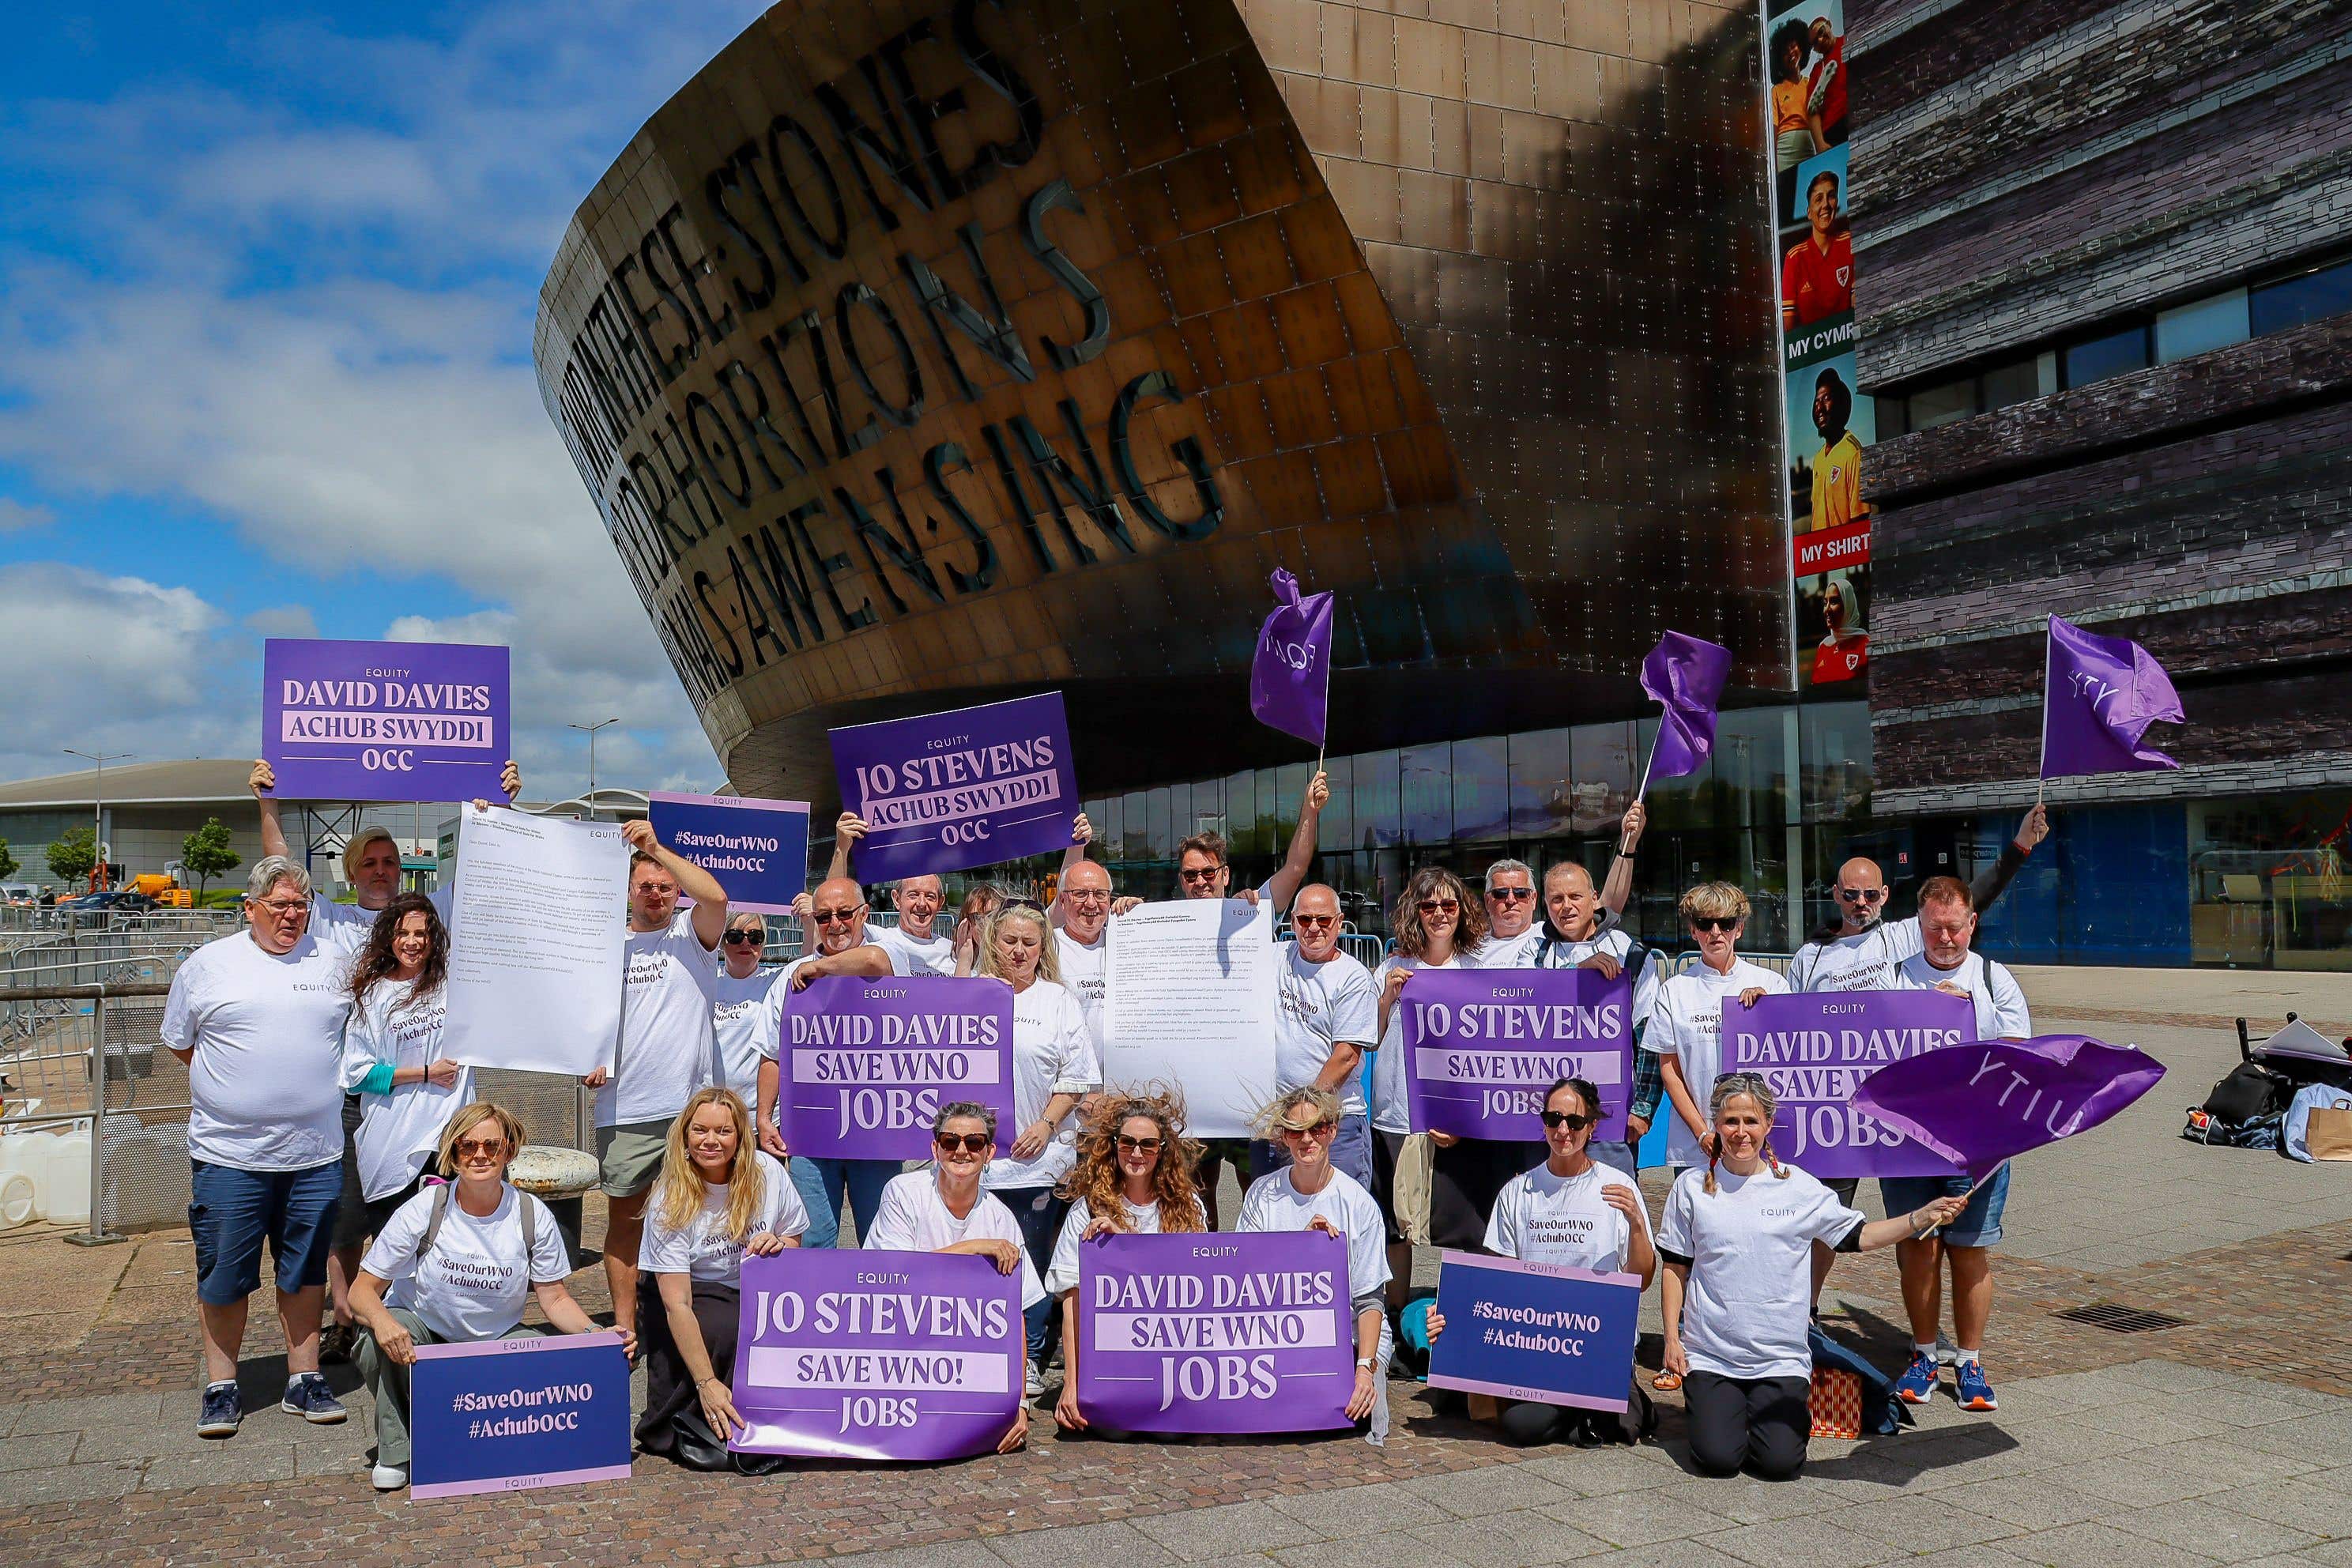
(1737,1241)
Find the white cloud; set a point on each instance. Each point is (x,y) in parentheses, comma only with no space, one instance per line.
(17,516)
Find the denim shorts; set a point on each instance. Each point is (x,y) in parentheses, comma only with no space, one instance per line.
(231,1212)
(1979,1222)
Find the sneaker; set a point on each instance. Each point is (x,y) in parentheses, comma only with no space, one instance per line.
(335,1343)
(1974,1392)
(307,1395)
(1035,1385)
(223,1411)
(1917,1384)
(389,1477)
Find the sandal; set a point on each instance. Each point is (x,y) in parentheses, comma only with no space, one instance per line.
(1666,1381)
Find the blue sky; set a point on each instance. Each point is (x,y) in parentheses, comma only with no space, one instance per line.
(267,276)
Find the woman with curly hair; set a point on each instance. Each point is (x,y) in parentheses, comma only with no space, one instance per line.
(1134,1177)
(392,1056)
(718,1198)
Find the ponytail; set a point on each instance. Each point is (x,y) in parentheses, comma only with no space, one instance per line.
(1712,1155)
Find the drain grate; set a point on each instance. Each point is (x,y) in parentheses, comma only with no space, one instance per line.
(2117,1319)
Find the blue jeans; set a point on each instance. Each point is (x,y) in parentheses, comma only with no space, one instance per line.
(1351,1151)
(1979,1222)
(231,1212)
(824,1225)
(861,1179)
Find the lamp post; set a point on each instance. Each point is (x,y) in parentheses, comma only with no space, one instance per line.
(97,807)
(591,729)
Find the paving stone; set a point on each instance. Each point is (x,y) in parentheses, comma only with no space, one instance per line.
(2212,1529)
(2298,1502)
(2028,1503)
(139,1411)
(1636,1518)
(38,1449)
(1668,1554)
(1923,1523)
(1476,1494)
(232,1463)
(2095,1545)
(1239,1529)
(942,1554)
(1797,1542)
(1355,1552)
(1367,1510)
(1118,1542)
(67,1483)
(1597,1472)
(1744,1500)
(1521,1539)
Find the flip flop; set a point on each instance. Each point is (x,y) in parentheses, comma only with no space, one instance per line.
(1666,1381)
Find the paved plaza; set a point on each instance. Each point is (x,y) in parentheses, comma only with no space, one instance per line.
(2226,1439)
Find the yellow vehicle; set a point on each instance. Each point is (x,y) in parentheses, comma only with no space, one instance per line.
(164,889)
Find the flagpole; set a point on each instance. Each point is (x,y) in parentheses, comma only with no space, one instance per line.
(1322,744)
(1648,762)
(2042,779)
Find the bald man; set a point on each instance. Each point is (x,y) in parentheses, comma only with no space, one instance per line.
(1865,953)
(836,912)
(1326,1022)
(1576,934)
(1080,915)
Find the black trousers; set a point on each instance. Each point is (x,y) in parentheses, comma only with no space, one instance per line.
(1762,1422)
(669,1386)
(1464,1182)
(1529,1423)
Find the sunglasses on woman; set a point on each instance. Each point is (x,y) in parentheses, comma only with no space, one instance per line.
(1573,1122)
(1137,1145)
(1434,906)
(970,1142)
(467,1148)
(1321,1129)
(745,939)
(1716,922)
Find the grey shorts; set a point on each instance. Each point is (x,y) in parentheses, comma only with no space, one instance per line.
(628,1157)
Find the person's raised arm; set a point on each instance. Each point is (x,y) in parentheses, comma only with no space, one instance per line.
(1284,885)
(1082,833)
(847,829)
(1618,886)
(1994,879)
(710,897)
(262,781)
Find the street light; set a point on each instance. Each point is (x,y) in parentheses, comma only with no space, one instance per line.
(98,809)
(591,729)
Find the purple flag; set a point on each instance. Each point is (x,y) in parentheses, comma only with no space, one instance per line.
(971,787)
(1215,1333)
(384,721)
(1979,1104)
(1684,675)
(1482,1045)
(2099,695)
(867,1064)
(1816,1048)
(877,1355)
(1290,677)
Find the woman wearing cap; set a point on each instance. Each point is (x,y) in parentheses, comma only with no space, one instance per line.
(1312,1193)
(718,1200)
(941,1208)
(1133,1177)
(1737,1241)
(1576,1213)
(454,1265)
(1054,1066)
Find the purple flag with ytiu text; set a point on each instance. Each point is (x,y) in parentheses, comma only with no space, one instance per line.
(2099,696)
(1684,675)
(867,1064)
(877,1355)
(1482,1045)
(384,721)
(1817,1047)
(971,787)
(1202,1333)
(1979,1104)
(1290,676)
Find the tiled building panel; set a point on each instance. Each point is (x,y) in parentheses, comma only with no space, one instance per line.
(1918,48)
(924,347)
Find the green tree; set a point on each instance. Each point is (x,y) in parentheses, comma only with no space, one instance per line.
(206,852)
(72,857)
(8,867)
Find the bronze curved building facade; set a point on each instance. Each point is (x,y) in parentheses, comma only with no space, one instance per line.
(923,352)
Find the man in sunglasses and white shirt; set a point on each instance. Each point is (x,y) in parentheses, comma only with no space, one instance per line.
(1327,1020)
(1864,953)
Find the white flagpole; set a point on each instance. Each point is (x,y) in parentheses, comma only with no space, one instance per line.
(1324,743)
(1650,761)
(2041,778)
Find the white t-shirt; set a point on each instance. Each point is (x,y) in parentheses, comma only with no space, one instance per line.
(1611,941)
(266,1082)
(1867,960)
(399,1133)
(473,1284)
(1686,1021)
(934,954)
(1542,1218)
(1317,1006)
(1999,1000)
(746,1016)
(346,926)
(1273,1204)
(913,1218)
(1391,1112)
(1751,1243)
(1053,1053)
(668,1046)
(1086,970)
(1511,951)
(1062,1273)
(706,1251)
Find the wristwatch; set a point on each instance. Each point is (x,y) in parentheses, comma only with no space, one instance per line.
(1363,1363)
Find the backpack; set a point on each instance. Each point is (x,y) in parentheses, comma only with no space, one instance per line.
(441,1192)
(2248,1093)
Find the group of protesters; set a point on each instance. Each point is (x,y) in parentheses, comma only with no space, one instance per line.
(327,1124)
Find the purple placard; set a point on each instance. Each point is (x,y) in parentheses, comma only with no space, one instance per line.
(384,721)
(877,1355)
(501,1416)
(867,1064)
(1543,1332)
(1816,1048)
(972,786)
(1482,1045)
(757,848)
(1215,1333)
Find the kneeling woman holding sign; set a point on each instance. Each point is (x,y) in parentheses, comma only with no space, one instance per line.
(717,1198)
(1134,1177)
(1312,1193)
(1737,1241)
(1577,1213)
(458,1261)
